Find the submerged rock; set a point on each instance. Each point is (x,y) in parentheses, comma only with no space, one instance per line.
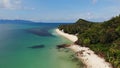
(62,46)
(37,46)
(39,32)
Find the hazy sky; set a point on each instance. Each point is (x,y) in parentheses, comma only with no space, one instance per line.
(59,10)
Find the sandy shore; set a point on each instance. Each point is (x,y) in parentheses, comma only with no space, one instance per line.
(72,38)
(87,56)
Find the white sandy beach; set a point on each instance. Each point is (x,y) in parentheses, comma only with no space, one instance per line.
(87,56)
(72,38)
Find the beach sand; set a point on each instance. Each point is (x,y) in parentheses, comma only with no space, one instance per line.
(87,56)
(71,37)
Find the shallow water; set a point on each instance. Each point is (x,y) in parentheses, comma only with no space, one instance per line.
(15,40)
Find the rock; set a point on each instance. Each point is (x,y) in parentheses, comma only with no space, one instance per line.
(62,46)
(37,46)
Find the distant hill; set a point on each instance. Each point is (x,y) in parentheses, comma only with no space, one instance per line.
(27,21)
(17,21)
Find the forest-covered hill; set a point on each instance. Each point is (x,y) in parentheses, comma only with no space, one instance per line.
(101,37)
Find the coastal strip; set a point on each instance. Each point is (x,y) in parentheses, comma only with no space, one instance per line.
(87,56)
(71,37)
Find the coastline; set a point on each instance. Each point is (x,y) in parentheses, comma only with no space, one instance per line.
(84,54)
(71,37)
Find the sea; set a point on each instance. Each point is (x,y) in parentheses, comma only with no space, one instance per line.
(34,45)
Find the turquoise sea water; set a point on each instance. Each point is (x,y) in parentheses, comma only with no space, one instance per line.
(16,40)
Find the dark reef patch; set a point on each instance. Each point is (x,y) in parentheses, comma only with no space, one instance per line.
(39,31)
(37,46)
(62,46)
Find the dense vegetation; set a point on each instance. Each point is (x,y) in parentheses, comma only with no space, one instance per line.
(101,37)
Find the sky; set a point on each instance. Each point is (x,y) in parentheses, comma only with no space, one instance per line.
(59,10)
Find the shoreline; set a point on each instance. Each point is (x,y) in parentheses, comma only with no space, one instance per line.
(71,37)
(84,54)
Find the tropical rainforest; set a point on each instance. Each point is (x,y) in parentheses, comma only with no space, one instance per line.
(101,37)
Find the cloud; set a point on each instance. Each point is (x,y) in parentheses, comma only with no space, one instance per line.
(10,4)
(94,1)
(89,15)
(13,5)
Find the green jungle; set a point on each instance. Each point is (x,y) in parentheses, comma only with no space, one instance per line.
(101,37)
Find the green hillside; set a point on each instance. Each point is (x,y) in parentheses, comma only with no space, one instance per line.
(101,37)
